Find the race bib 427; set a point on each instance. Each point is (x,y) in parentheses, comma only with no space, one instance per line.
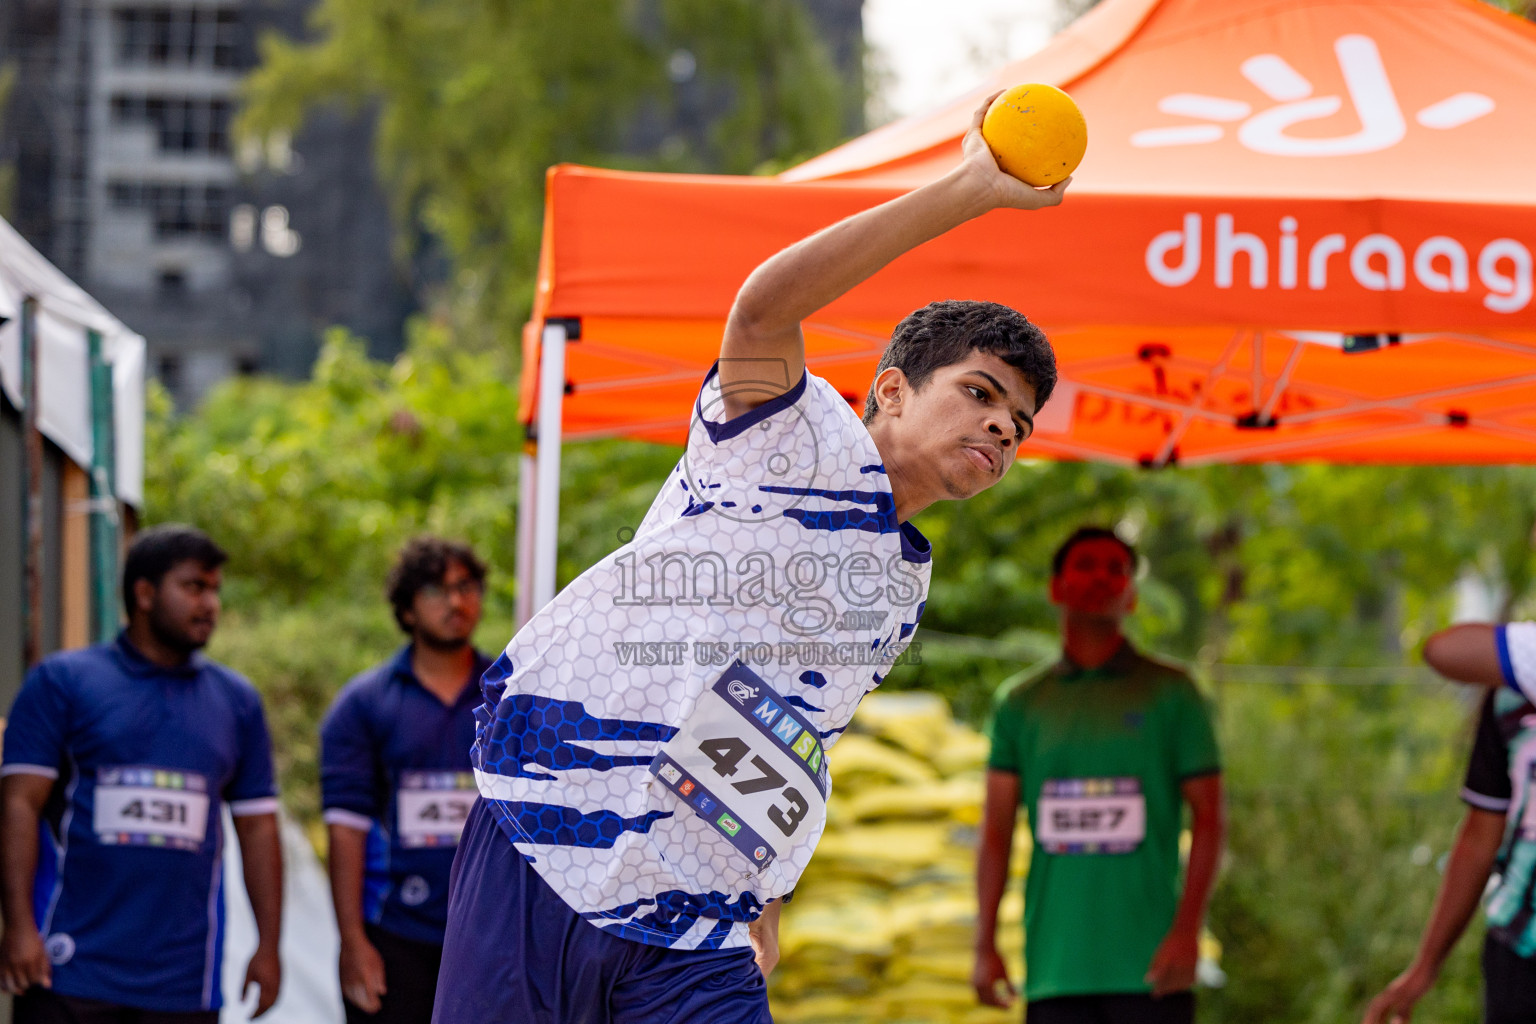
(431,807)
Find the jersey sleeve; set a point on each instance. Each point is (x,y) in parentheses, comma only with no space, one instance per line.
(36,732)
(1487,785)
(1006,733)
(1195,752)
(763,376)
(1517,656)
(253,790)
(349,790)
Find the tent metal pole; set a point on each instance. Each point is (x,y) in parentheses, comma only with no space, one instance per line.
(32,510)
(1171,442)
(527,488)
(1267,414)
(546,523)
(104,618)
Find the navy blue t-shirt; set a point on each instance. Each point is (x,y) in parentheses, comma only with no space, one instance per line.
(394,762)
(129,890)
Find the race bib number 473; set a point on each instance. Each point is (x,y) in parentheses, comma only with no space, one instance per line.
(143,806)
(1090,815)
(749,765)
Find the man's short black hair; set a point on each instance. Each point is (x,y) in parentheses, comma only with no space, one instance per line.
(159,549)
(422,562)
(943,333)
(1087,533)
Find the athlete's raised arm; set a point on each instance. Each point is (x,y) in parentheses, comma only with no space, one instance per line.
(763,330)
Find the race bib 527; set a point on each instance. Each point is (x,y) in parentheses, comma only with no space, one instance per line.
(1090,815)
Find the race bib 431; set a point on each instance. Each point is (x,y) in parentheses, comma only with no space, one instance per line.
(1091,815)
(142,806)
(749,765)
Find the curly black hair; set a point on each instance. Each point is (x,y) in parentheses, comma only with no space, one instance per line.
(422,562)
(943,333)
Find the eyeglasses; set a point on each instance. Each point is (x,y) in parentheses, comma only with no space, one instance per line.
(463,588)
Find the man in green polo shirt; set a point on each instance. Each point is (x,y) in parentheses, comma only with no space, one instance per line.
(1102,750)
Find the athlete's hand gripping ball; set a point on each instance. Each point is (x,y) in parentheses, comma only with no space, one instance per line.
(1036,132)
(982,166)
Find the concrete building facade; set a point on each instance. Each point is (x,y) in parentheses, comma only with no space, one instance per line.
(227,258)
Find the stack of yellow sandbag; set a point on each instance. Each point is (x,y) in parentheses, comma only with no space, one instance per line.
(882,924)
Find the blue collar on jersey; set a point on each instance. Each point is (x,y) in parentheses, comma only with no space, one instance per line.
(134,662)
(399,667)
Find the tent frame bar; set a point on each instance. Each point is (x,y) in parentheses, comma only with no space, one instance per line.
(538,532)
(32,472)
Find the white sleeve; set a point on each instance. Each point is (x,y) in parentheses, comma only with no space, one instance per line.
(1517,656)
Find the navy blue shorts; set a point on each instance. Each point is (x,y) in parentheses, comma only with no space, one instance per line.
(515,953)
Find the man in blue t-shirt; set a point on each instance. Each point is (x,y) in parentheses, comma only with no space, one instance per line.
(397,786)
(119,761)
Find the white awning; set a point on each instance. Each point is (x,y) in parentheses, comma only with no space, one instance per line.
(65,313)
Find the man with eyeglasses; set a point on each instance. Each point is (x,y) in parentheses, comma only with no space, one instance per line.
(396,785)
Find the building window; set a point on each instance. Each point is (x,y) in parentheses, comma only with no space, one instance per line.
(184,125)
(178,36)
(177,210)
(170,372)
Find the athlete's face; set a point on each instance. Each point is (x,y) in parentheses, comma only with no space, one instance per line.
(1097,581)
(444,614)
(961,431)
(184,608)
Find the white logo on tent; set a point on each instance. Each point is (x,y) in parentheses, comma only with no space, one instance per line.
(1381,119)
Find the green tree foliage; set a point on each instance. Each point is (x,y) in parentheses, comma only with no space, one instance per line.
(312,487)
(476,98)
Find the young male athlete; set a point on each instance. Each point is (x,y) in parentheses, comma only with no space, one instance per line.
(651,753)
(1497,835)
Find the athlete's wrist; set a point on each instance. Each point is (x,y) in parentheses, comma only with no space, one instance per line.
(21,923)
(354,935)
(975,189)
(1424,971)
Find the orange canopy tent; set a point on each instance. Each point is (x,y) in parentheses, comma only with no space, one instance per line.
(1303,230)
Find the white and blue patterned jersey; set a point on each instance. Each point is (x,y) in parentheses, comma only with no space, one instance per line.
(1516,643)
(774,544)
(1500,777)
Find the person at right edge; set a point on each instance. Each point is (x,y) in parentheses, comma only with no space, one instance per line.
(1498,835)
(1102,750)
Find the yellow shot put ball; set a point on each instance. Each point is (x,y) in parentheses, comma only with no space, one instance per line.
(1036,133)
